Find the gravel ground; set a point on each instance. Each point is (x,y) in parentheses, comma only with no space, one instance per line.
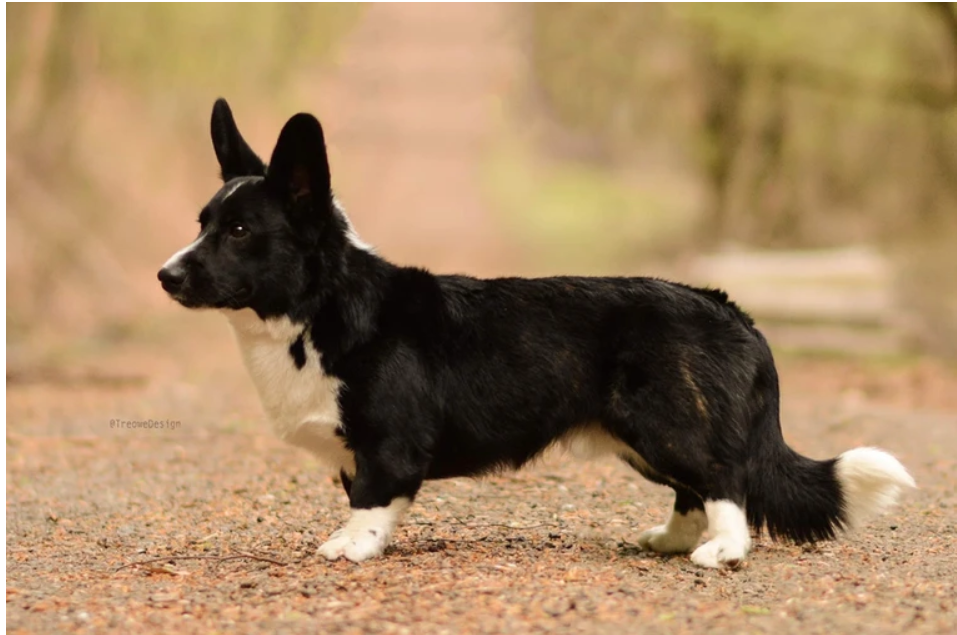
(213,526)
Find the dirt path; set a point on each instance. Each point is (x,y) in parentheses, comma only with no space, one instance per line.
(548,549)
(409,109)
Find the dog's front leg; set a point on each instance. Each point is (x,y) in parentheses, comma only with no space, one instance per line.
(379,495)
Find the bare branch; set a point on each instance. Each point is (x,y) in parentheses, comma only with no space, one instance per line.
(216,559)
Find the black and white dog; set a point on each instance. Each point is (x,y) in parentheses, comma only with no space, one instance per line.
(393,375)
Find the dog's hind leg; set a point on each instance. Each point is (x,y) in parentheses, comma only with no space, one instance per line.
(730,535)
(682,531)
(710,486)
(719,509)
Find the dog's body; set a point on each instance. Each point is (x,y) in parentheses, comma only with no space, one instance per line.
(393,375)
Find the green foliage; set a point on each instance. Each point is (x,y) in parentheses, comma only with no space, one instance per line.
(260,44)
(577,218)
(170,51)
(833,35)
(807,124)
(591,64)
(810,124)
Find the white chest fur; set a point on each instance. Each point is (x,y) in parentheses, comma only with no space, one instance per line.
(301,403)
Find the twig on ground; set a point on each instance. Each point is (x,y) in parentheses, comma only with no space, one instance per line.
(483,525)
(217,559)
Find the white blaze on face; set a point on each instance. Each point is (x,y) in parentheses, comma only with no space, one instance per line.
(179,255)
(230,188)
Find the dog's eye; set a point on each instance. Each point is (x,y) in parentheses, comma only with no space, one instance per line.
(238,231)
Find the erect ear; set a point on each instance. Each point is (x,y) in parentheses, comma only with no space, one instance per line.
(235,156)
(299,168)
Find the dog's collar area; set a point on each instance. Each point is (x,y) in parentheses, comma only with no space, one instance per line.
(247,322)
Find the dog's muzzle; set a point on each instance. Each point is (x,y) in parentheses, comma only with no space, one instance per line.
(172,278)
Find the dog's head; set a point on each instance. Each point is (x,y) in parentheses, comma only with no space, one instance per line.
(270,234)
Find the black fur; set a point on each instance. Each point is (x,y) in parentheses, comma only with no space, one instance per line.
(450,376)
(298,352)
(236,158)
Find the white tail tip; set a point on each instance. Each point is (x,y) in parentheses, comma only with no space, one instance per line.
(871,481)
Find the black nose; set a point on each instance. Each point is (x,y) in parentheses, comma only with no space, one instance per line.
(172,277)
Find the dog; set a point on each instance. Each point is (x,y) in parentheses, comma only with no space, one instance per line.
(393,375)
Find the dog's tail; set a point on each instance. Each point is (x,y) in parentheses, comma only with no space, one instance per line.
(804,500)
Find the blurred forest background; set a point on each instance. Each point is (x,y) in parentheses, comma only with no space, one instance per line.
(521,139)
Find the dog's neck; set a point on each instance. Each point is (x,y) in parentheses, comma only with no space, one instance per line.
(249,324)
(339,313)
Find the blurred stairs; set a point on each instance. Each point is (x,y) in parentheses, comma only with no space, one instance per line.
(823,301)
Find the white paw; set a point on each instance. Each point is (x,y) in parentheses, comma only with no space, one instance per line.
(356,544)
(366,534)
(720,552)
(661,540)
(680,535)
